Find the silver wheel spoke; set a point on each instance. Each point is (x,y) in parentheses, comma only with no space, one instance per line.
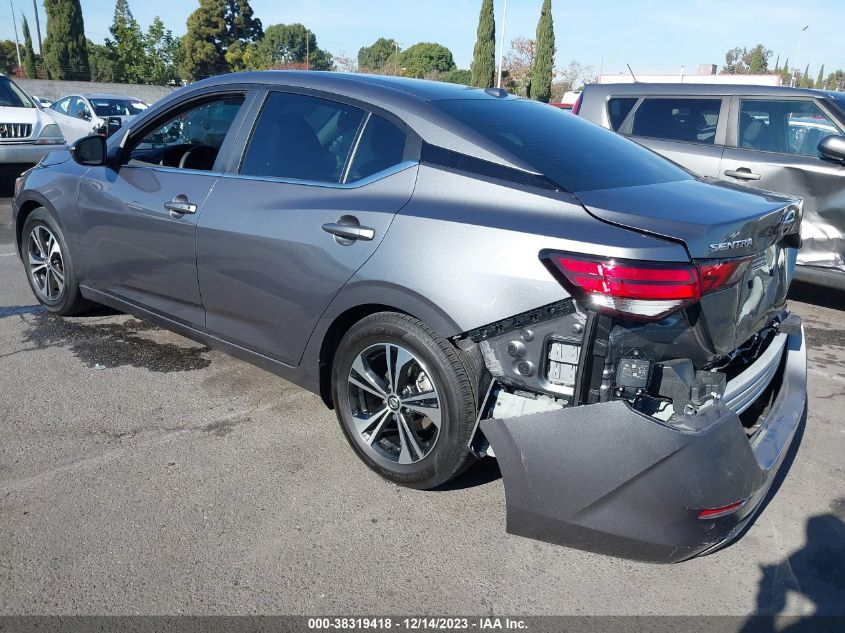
(432,412)
(366,387)
(365,422)
(403,357)
(363,370)
(36,263)
(48,286)
(60,276)
(376,432)
(408,442)
(39,244)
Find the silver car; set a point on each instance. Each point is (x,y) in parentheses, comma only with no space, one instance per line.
(81,115)
(773,138)
(460,273)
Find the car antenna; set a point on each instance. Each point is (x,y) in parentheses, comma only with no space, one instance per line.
(632,73)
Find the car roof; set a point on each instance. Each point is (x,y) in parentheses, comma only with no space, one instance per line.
(705,89)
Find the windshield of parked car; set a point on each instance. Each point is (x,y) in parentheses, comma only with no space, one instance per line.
(12,96)
(571,151)
(118,107)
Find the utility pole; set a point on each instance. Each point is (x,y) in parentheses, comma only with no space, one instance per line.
(15,26)
(37,25)
(502,45)
(797,54)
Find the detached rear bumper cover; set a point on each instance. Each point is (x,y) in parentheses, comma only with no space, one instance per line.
(608,479)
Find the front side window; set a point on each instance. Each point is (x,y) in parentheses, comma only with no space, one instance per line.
(302,137)
(785,126)
(382,145)
(617,109)
(79,109)
(61,106)
(690,120)
(190,139)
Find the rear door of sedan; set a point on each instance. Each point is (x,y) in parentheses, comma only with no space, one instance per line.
(773,145)
(689,130)
(299,210)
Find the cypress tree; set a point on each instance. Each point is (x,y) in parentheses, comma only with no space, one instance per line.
(484,54)
(29,52)
(785,75)
(805,79)
(544,61)
(820,78)
(65,49)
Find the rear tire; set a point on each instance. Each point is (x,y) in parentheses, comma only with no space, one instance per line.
(409,419)
(49,269)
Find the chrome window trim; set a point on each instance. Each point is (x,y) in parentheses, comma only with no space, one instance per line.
(384,173)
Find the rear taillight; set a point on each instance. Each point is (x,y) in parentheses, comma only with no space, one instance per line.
(576,108)
(642,290)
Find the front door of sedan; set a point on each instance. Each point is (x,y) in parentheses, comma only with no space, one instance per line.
(74,118)
(137,220)
(773,145)
(318,186)
(687,130)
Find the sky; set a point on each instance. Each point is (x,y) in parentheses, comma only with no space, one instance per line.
(653,36)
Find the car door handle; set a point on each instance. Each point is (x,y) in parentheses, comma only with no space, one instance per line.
(743,173)
(179,206)
(348,231)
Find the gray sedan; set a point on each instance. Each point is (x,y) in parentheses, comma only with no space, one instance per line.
(459,273)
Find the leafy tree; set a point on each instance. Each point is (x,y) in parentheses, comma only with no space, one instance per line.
(484,54)
(544,60)
(127,48)
(243,29)
(820,78)
(457,76)
(806,82)
(162,51)
(374,57)
(424,58)
(204,43)
(758,60)
(8,57)
(66,49)
(288,45)
(102,63)
(734,62)
(517,62)
(29,53)
(835,81)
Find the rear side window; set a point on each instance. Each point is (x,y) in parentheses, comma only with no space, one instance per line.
(302,137)
(617,109)
(382,145)
(786,126)
(690,120)
(569,150)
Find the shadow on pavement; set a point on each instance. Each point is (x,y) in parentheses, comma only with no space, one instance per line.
(482,472)
(817,295)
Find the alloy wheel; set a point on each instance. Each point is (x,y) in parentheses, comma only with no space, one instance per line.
(46,265)
(394,403)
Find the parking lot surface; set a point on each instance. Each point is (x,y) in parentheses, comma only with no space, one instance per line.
(142,473)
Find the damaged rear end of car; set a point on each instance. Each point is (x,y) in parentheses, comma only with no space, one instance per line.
(646,412)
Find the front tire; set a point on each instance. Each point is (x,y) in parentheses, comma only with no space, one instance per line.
(49,269)
(404,399)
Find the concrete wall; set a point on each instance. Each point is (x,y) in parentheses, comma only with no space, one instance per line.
(54,89)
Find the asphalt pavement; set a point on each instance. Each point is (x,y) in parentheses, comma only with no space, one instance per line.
(142,473)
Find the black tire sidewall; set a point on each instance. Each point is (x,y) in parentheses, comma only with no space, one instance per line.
(70,297)
(441,463)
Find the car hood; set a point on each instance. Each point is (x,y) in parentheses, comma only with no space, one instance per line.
(18,115)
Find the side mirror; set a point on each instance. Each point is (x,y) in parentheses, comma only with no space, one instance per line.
(90,151)
(833,148)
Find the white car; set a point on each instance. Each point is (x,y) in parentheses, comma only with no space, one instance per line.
(27,132)
(81,115)
(42,101)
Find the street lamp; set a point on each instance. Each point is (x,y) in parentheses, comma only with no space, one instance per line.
(502,45)
(798,54)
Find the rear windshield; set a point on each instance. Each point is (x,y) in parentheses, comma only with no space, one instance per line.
(118,107)
(12,96)
(571,151)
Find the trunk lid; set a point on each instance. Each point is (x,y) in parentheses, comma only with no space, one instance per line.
(717,220)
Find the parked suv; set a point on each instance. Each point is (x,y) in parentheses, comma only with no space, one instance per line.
(778,139)
(459,273)
(27,132)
